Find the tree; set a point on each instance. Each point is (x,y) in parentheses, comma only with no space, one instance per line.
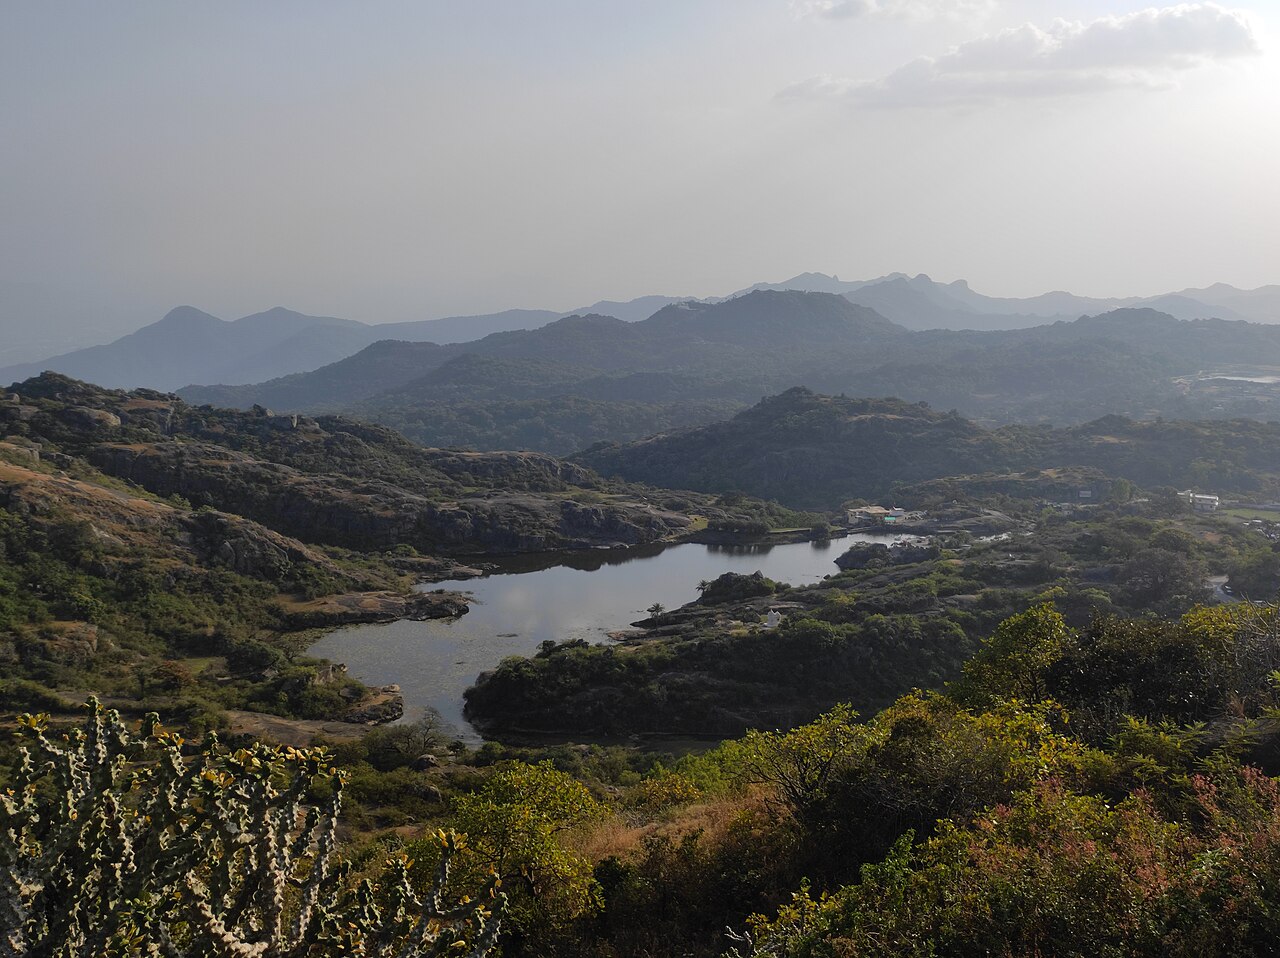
(517,826)
(1015,661)
(1168,502)
(1163,580)
(394,746)
(1121,490)
(118,844)
(799,764)
(167,676)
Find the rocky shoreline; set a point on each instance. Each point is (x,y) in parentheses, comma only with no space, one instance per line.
(385,704)
(361,608)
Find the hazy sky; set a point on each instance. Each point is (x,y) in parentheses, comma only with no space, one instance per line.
(403,160)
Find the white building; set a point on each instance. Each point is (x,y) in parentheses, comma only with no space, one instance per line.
(1201,502)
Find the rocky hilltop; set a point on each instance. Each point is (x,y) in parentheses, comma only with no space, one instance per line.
(124,522)
(329,480)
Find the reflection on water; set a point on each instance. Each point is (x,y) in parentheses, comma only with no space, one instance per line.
(595,559)
(562,596)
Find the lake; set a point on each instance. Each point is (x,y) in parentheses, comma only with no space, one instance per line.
(563,596)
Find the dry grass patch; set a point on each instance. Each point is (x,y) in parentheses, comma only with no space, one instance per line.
(623,836)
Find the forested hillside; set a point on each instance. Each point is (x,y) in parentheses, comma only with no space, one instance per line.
(107,589)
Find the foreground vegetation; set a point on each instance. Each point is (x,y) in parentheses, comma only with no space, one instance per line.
(1104,790)
(1097,791)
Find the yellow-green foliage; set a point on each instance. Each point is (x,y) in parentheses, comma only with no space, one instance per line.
(518,826)
(1057,873)
(798,765)
(663,788)
(1013,662)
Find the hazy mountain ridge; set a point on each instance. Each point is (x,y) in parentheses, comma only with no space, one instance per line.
(41,319)
(189,345)
(180,350)
(919,302)
(580,379)
(587,378)
(186,341)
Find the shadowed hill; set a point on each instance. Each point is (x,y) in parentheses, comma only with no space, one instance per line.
(820,450)
(814,451)
(383,366)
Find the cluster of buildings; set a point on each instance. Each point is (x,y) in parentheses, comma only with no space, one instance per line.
(879,515)
(1198,501)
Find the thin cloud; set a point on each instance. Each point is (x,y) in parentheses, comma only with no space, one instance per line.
(1069,58)
(904,9)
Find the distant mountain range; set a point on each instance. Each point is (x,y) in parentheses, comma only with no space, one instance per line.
(918,302)
(725,341)
(37,320)
(583,379)
(189,346)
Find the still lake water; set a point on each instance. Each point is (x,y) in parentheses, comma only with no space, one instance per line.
(563,596)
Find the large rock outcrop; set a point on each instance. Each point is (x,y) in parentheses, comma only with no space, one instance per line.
(369,514)
(329,480)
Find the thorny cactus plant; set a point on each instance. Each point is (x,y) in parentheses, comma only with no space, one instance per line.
(116,844)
